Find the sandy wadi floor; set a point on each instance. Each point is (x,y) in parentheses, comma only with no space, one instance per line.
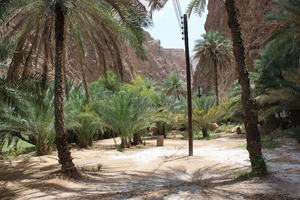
(151,172)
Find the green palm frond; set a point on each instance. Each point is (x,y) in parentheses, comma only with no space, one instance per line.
(197,7)
(175,85)
(288,14)
(124,113)
(214,52)
(103,26)
(204,103)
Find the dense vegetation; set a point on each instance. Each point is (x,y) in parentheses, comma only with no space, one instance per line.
(110,108)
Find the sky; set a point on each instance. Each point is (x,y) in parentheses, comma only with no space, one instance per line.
(166,27)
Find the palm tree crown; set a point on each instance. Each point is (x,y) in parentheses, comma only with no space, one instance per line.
(289,13)
(96,29)
(213,51)
(44,28)
(174,85)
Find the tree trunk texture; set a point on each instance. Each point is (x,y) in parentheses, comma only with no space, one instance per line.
(137,139)
(205,133)
(67,166)
(216,82)
(250,116)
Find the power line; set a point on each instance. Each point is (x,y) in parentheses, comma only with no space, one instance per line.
(179,15)
(182,21)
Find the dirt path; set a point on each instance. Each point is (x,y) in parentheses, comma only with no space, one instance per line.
(151,172)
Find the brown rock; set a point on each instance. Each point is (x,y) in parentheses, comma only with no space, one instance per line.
(251,14)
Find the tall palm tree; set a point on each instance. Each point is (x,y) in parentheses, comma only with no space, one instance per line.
(215,52)
(44,26)
(174,85)
(250,114)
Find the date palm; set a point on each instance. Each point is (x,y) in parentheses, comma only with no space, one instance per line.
(27,116)
(215,52)
(280,61)
(288,16)
(174,85)
(44,26)
(205,113)
(284,98)
(250,116)
(125,113)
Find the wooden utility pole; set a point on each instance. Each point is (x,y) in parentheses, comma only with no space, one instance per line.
(188,79)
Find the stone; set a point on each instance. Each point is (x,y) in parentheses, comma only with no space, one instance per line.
(213,126)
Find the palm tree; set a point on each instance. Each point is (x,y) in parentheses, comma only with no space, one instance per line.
(168,113)
(288,13)
(125,114)
(47,22)
(215,52)
(279,63)
(250,114)
(284,99)
(174,85)
(205,113)
(26,115)
(80,119)
(272,66)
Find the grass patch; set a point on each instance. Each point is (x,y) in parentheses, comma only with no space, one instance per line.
(241,175)
(270,144)
(265,144)
(242,146)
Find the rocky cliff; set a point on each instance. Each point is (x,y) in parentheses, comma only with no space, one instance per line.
(251,15)
(161,63)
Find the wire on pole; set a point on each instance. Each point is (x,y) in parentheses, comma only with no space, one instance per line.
(182,21)
(179,15)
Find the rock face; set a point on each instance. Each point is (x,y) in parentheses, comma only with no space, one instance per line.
(161,63)
(251,14)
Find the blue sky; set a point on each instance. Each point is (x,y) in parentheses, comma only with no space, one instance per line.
(167,30)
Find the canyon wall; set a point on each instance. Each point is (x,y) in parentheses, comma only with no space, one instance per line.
(161,62)
(251,14)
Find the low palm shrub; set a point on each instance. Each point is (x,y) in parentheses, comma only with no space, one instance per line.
(205,113)
(27,114)
(125,114)
(84,125)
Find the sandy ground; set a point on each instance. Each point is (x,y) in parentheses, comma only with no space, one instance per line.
(151,172)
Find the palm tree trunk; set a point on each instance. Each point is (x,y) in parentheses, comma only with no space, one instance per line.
(216,82)
(205,133)
(68,168)
(85,83)
(250,116)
